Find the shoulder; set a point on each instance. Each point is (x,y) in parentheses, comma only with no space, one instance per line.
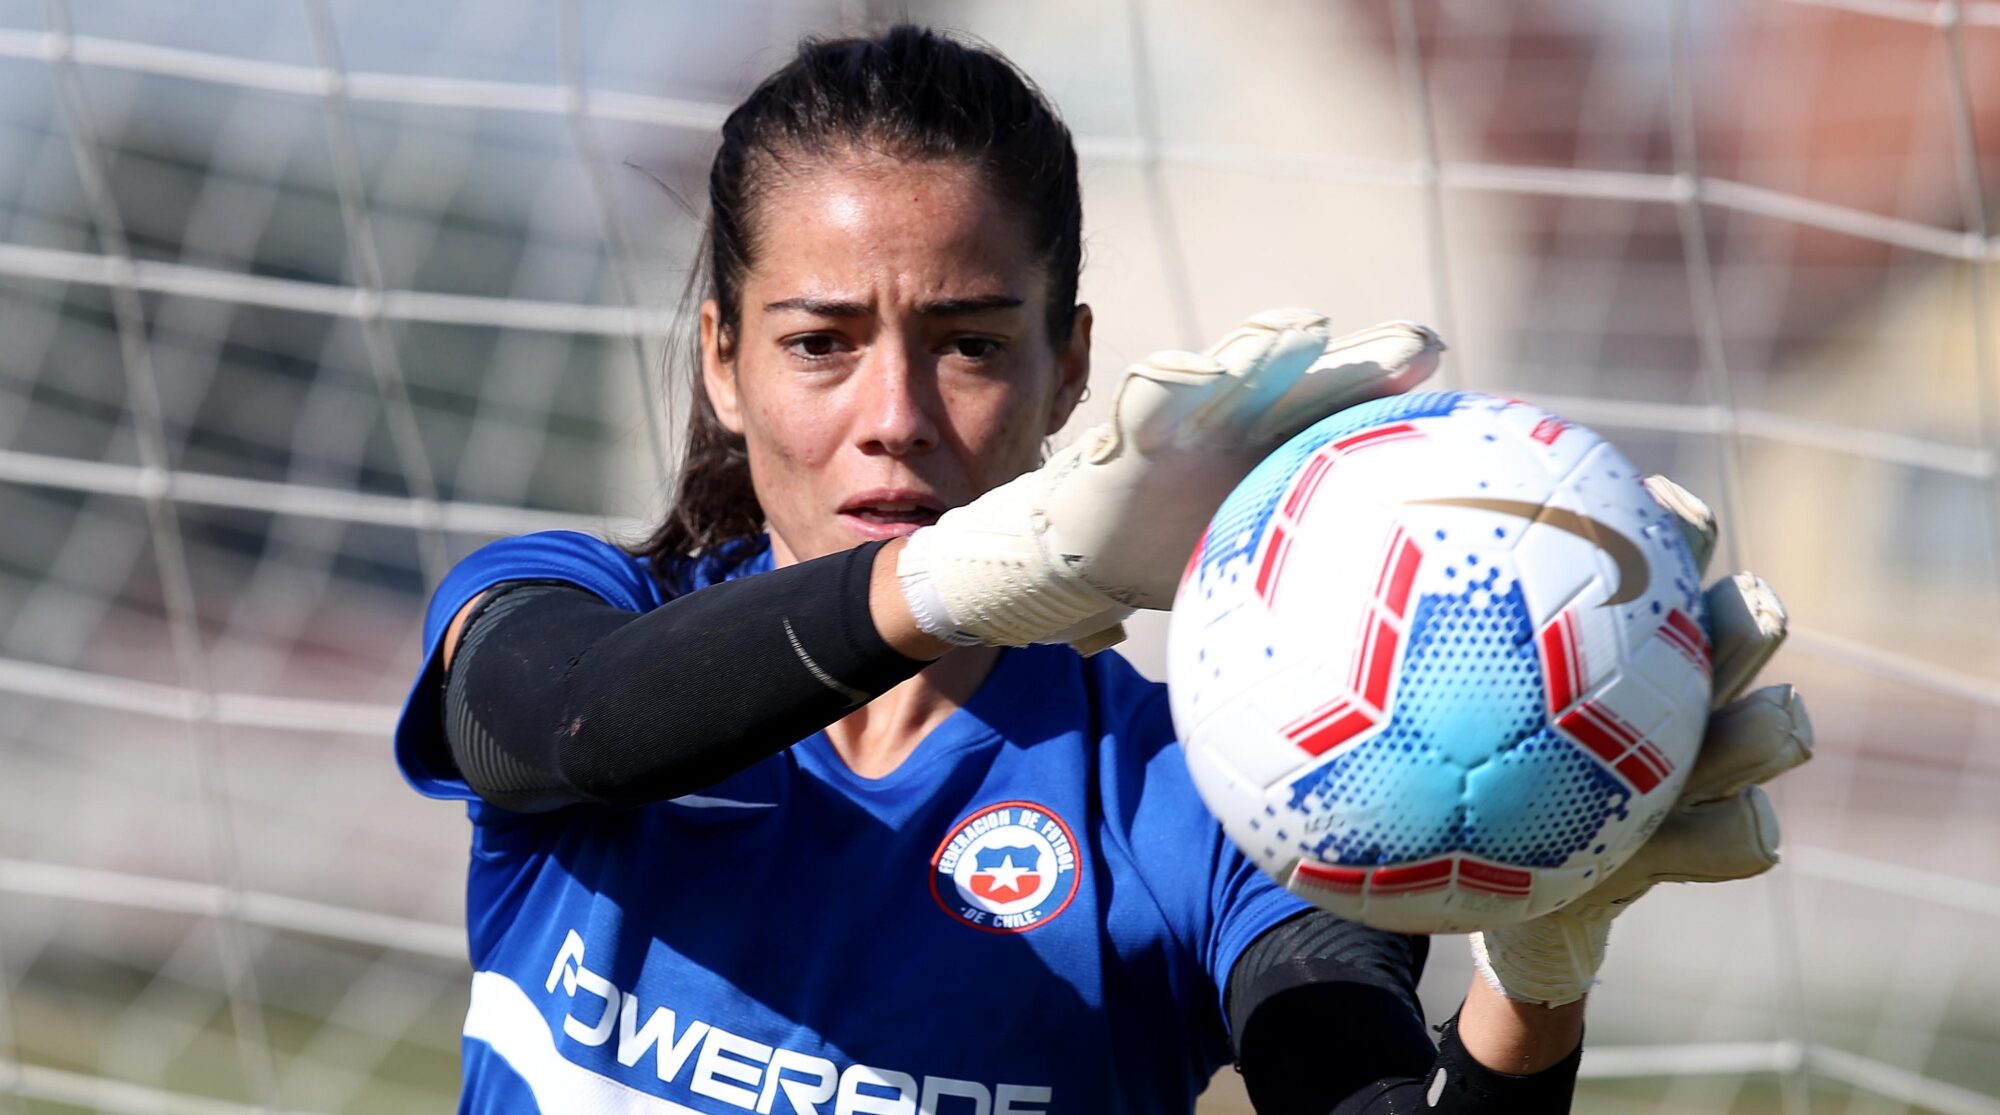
(622,578)
(1067,709)
(564,555)
(1130,708)
(551,555)
(1049,690)
(1158,833)
(615,575)
(1139,762)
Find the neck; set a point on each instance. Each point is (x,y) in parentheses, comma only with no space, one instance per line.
(875,738)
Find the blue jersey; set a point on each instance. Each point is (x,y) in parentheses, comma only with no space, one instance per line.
(1032,914)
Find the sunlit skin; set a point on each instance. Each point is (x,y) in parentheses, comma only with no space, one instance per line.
(892,361)
(892,358)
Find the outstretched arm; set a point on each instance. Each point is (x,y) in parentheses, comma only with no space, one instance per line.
(1516,1042)
(551,700)
(886,607)
(1325,1021)
(554,697)
(1512,1037)
(1526,1003)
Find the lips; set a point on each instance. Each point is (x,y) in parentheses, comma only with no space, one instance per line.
(890,513)
(919,516)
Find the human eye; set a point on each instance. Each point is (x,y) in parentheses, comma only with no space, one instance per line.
(813,347)
(975,348)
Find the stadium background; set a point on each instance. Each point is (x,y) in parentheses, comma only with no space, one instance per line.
(301,302)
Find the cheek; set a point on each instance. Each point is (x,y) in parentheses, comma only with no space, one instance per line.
(1010,430)
(782,428)
(787,445)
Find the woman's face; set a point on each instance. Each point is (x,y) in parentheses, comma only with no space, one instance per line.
(893,357)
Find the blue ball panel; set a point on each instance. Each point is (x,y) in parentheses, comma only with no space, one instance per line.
(1468,757)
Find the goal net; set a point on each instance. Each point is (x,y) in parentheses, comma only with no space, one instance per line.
(299,303)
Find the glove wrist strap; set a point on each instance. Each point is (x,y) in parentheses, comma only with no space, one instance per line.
(980,575)
(927,607)
(1548,961)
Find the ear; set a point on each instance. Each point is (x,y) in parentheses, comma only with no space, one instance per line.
(1073,368)
(718,369)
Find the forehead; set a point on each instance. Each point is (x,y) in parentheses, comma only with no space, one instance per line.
(916,227)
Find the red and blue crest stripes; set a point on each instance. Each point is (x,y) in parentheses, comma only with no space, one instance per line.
(1239,529)
(1686,636)
(1417,878)
(1366,701)
(1596,726)
(1563,794)
(1298,497)
(1392,689)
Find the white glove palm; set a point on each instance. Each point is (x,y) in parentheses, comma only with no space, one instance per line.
(1722,828)
(1066,552)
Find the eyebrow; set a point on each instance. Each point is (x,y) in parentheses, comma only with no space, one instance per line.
(944,307)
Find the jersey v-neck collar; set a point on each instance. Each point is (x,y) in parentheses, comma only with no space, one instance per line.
(1010,704)
(990,716)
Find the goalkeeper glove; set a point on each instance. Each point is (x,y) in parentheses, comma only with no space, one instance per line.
(1722,828)
(1066,552)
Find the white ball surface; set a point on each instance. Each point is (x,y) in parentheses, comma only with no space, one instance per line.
(1440,663)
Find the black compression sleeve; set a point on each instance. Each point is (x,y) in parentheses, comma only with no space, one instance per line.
(1463,1086)
(1325,1020)
(1321,1008)
(555,697)
(1459,1085)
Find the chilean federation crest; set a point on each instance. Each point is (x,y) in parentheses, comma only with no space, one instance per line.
(1006,868)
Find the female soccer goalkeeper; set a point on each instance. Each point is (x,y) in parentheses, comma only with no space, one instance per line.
(722,789)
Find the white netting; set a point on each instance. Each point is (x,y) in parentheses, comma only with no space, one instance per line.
(299,303)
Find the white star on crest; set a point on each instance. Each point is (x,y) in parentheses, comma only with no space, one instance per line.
(1007,876)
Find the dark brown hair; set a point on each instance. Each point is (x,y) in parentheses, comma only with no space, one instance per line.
(911,93)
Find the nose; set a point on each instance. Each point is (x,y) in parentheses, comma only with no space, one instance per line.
(897,403)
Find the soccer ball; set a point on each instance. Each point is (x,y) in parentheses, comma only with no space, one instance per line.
(1440,663)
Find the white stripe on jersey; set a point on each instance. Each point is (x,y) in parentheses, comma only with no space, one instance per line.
(703,801)
(502,1016)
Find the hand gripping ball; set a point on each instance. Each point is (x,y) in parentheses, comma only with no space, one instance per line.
(1440,663)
